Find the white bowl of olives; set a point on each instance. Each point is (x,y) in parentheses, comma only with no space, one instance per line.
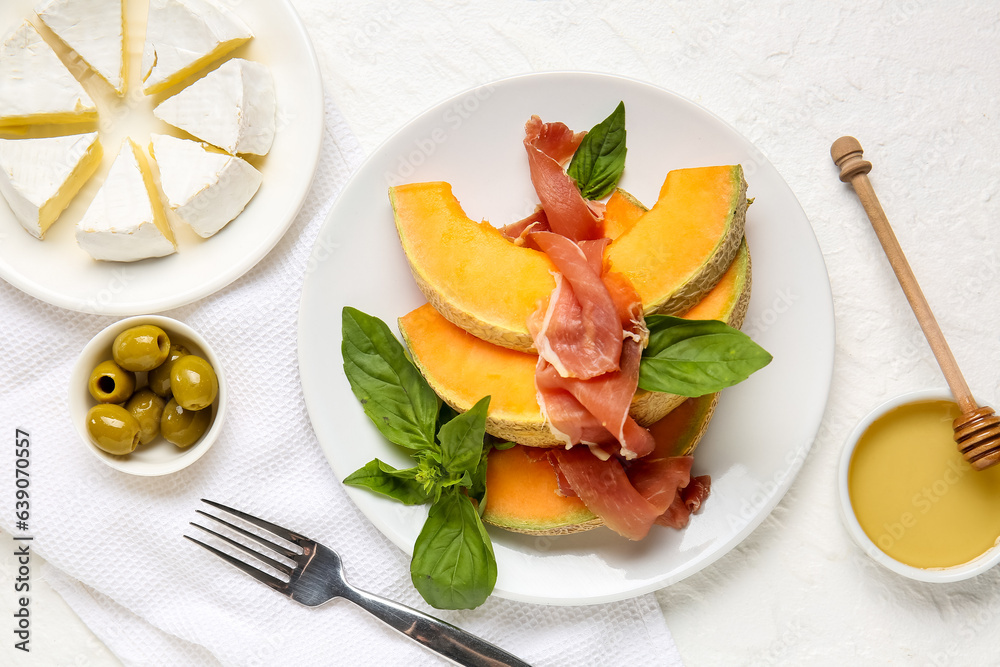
(148,395)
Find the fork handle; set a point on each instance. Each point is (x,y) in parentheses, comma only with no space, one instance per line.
(453,643)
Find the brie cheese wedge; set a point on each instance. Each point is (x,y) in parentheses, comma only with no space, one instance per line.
(95,29)
(232,108)
(184,36)
(205,187)
(40,177)
(126,221)
(35,87)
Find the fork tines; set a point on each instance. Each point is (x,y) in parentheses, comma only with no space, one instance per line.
(253,571)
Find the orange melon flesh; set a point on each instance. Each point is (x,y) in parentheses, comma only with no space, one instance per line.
(470,271)
(521,494)
(621,213)
(462,368)
(673,254)
(729,298)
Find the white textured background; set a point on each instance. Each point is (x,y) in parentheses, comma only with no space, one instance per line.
(917,82)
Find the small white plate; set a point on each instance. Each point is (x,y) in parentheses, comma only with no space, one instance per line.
(159,457)
(763,428)
(56,270)
(938,575)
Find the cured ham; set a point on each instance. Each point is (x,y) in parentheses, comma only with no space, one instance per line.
(520,232)
(549,145)
(579,332)
(605,489)
(631,497)
(587,374)
(590,335)
(600,413)
(686,503)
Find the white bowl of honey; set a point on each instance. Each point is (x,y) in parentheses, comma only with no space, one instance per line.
(910,500)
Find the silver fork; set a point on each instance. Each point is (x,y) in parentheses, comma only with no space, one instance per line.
(318,577)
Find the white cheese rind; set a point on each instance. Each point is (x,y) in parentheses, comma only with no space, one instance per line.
(120,225)
(232,108)
(183,36)
(207,190)
(34,84)
(34,171)
(95,29)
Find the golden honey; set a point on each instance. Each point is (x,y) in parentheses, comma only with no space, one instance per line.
(914,495)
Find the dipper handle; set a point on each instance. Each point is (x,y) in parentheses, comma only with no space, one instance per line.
(977,430)
(847,154)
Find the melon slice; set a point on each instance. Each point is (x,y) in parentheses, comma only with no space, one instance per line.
(522,494)
(621,213)
(462,368)
(673,254)
(470,272)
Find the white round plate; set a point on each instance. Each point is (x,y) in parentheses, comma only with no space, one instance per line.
(58,271)
(763,428)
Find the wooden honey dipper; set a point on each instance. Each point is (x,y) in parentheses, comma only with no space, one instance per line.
(977,430)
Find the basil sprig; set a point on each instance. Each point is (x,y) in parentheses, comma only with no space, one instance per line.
(393,393)
(599,161)
(697,357)
(453,565)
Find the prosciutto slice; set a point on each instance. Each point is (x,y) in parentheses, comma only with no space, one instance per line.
(587,374)
(549,145)
(520,232)
(631,497)
(600,412)
(605,489)
(686,503)
(568,419)
(579,332)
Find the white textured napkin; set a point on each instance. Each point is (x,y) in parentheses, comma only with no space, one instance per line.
(113,541)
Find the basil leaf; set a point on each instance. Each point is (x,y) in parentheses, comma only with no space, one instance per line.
(696,357)
(477,482)
(382,478)
(453,565)
(599,161)
(499,443)
(392,391)
(462,439)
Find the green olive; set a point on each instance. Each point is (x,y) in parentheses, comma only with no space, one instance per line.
(113,429)
(147,408)
(110,383)
(141,348)
(193,382)
(184,427)
(159,377)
